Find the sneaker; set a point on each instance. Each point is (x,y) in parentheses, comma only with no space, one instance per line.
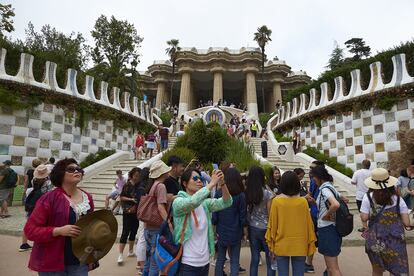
(120,259)
(325,273)
(24,247)
(242,270)
(309,268)
(131,254)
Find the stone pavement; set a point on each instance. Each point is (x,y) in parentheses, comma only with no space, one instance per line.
(353,261)
(14,225)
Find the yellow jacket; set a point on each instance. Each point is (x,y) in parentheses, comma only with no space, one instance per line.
(290,229)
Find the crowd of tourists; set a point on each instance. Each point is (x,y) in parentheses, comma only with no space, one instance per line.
(211,215)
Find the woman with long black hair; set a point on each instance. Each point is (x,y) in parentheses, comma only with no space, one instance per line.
(273,182)
(258,200)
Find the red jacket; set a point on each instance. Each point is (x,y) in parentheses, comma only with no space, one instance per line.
(139,142)
(52,210)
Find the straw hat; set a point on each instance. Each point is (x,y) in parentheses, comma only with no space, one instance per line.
(99,230)
(158,168)
(380,179)
(41,171)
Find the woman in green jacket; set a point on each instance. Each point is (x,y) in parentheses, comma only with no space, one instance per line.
(194,208)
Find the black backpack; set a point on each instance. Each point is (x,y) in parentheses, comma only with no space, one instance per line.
(11,179)
(344,220)
(31,200)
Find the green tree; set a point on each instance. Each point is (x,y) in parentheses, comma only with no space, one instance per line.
(172,51)
(262,37)
(357,47)
(116,52)
(6,21)
(337,57)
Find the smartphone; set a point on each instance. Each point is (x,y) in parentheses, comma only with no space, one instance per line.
(215,166)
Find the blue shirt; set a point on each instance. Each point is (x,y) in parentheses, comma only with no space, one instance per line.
(230,221)
(314,191)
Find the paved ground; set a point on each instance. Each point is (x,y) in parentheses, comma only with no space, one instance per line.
(353,261)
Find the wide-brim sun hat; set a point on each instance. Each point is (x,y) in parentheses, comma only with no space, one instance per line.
(41,171)
(380,179)
(99,230)
(158,168)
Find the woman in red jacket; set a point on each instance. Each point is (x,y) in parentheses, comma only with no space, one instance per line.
(51,224)
(139,146)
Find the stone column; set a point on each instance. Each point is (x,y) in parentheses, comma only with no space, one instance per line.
(184,93)
(251,94)
(218,87)
(277,93)
(161,95)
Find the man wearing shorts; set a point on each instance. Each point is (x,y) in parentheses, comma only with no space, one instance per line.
(4,189)
(118,185)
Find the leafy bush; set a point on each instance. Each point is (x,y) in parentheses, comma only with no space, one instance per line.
(264,118)
(241,154)
(209,142)
(166,116)
(330,161)
(95,157)
(280,138)
(184,153)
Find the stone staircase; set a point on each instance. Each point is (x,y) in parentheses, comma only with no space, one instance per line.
(101,183)
(285,165)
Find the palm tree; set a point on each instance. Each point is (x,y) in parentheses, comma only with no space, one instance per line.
(262,37)
(172,51)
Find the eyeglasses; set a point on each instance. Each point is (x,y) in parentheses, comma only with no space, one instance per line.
(196,177)
(75,169)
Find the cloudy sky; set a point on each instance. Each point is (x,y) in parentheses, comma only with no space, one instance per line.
(303,31)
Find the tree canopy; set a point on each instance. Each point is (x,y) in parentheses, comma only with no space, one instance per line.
(6,19)
(357,47)
(336,58)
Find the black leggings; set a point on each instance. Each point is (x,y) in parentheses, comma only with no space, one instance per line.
(129,226)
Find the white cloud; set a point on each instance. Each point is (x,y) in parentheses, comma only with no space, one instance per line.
(303,31)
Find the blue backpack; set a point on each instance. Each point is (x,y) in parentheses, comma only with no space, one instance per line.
(167,253)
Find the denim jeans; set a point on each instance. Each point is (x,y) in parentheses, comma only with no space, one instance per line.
(70,270)
(298,265)
(164,144)
(234,254)
(188,270)
(257,244)
(150,267)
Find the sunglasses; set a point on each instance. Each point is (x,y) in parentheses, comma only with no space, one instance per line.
(196,177)
(74,169)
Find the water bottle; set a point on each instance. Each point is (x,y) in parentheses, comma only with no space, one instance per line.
(273,263)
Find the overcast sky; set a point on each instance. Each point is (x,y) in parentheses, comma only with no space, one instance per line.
(303,35)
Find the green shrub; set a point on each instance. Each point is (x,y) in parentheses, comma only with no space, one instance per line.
(264,118)
(95,157)
(184,153)
(241,154)
(329,161)
(280,138)
(166,116)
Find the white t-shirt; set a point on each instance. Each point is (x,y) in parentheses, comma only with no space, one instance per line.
(366,207)
(180,133)
(324,194)
(195,251)
(359,178)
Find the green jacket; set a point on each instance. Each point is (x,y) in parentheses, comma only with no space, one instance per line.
(184,204)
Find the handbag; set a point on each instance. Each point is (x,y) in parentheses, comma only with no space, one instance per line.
(130,210)
(148,208)
(167,253)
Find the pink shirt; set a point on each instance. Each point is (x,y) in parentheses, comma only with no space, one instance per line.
(120,183)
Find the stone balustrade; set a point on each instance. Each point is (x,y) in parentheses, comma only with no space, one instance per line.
(25,75)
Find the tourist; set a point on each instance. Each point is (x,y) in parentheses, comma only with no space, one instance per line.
(361,189)
(173,123)
(258,200)
(158,173)
(29,176)
(141,246)
(402,186)
(230,224)
(290,234)
(40,184)
(175,111)
(277,105)
(5,188)
(253,128)
(386,214)
(139,146)
(303,185)
(51,224)
(329,241)
(116,190)
(274,180)
(50,164)
(181,131)
(193,208)
(177,168)
(295,142)
(263,144)
(410,187)
(151,140)
(163,133)
(130,196)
